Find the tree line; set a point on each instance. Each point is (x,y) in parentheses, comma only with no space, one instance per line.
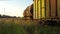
(6,16)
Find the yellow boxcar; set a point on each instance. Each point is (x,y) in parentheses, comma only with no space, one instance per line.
(46,9)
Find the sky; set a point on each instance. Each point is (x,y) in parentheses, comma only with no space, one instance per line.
(14,7)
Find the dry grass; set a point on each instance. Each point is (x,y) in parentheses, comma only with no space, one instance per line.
(20,26)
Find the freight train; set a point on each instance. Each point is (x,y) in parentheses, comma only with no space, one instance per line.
(43,10)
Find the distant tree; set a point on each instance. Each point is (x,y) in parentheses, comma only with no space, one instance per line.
(0,15)
(14,17)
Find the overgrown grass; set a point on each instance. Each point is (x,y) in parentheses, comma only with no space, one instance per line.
(13,27)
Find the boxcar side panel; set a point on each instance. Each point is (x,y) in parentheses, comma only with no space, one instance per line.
(53,8)
(34,10)
(39,13)
(58,8)
(43,8)
(47,9)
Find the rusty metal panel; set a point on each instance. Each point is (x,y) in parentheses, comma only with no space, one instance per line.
(53,8)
